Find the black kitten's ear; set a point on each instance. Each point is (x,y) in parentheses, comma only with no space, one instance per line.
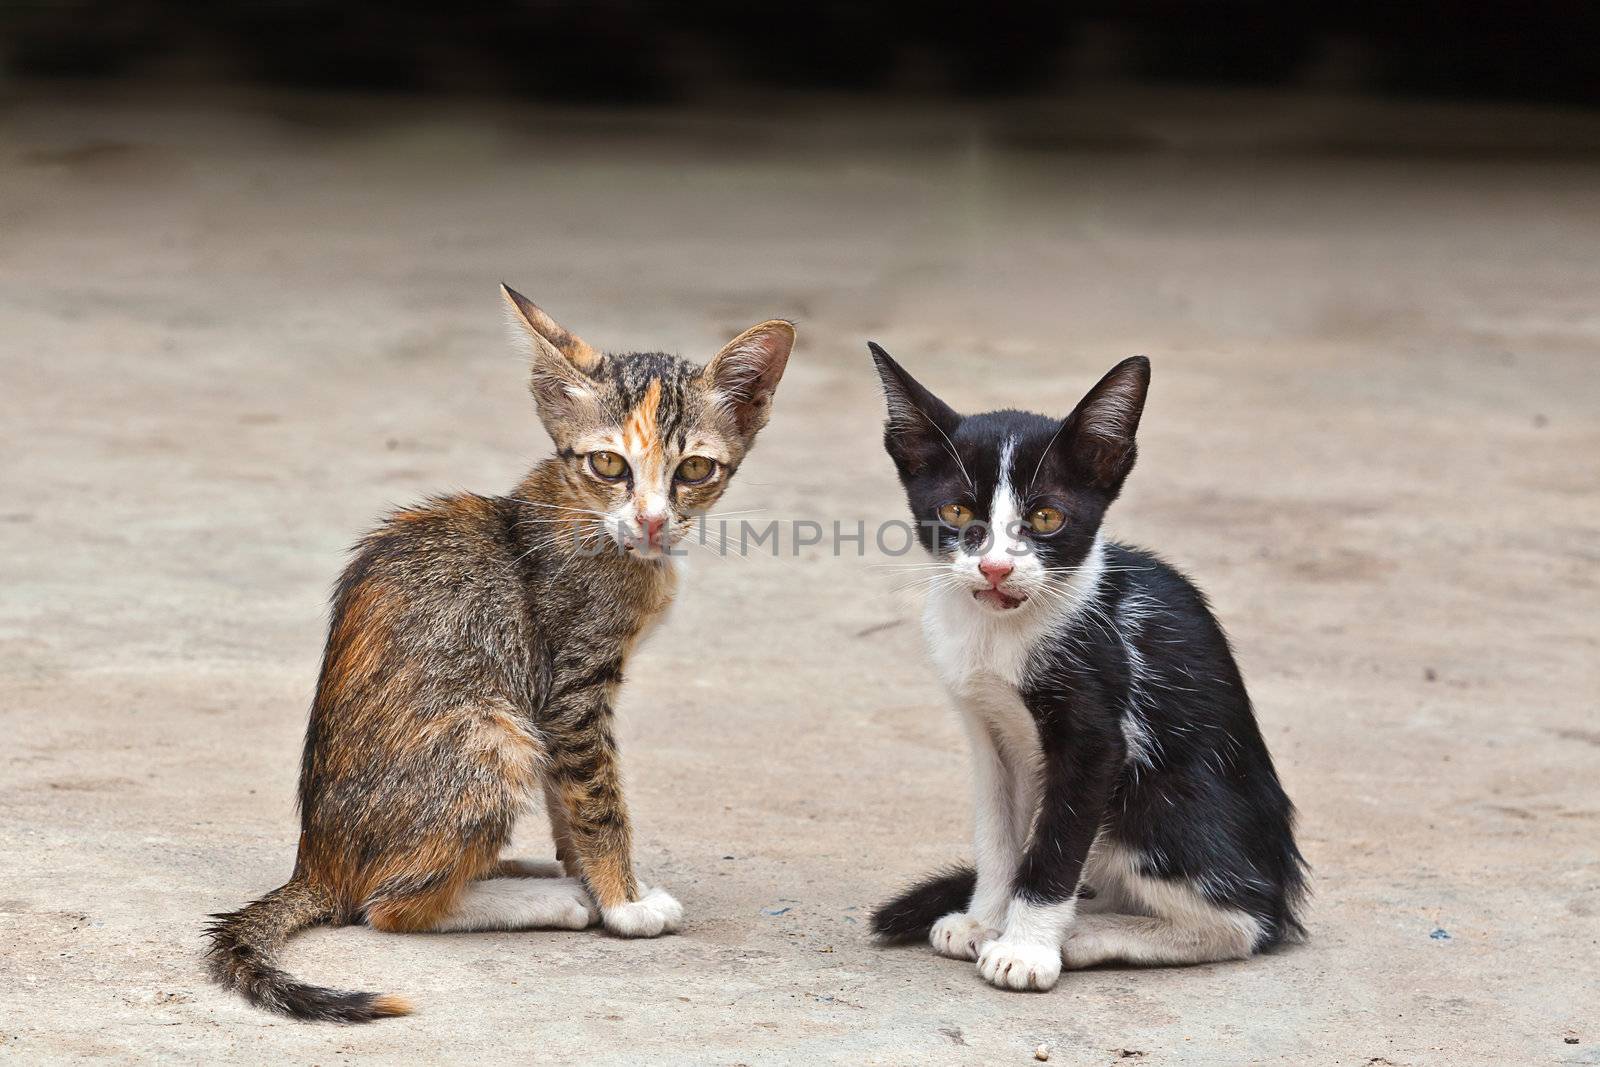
(559,362)
(920,424)
(743,376)
(1101,429)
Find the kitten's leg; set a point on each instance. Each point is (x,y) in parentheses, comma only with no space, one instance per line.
(560,832)
(520,904)
(1099,892)
(524,869)
(1079,766)
(1177,924)
(1226,934)
(448,809)
(587,784)
(997,843)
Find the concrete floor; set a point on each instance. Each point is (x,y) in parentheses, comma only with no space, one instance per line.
(233,332)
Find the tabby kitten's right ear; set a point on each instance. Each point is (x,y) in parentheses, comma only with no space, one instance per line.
(743,376)
(560,362)
(920,425)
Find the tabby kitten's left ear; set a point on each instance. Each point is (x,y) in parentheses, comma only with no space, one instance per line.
(534,319)
(743,376)
(560,362)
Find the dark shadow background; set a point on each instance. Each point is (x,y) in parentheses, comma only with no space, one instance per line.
(636,51)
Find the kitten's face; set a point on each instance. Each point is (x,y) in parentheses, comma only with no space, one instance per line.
(1011,502)
(647,441)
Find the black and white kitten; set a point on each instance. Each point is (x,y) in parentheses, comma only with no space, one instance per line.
(1127,809)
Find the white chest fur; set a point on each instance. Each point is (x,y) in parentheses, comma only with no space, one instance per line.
(981,659)
(982,655)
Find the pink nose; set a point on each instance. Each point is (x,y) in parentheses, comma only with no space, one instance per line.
(652,529)
(996,571)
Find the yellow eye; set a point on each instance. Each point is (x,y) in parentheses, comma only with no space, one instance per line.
(608,465)
(696,469)
(1046,520)
(957,515)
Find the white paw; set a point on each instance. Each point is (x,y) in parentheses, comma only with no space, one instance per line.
(653,914)
(1019,964)
(958,936)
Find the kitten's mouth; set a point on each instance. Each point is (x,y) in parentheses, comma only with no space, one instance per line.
(997,599)
(649,550)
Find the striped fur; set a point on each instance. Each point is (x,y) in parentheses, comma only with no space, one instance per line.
(476,650)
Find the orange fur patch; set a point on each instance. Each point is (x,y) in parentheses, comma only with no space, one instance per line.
(640,430)
(390,1005)
(642,435)
(423,911)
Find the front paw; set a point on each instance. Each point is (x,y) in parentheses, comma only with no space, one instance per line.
(958,936)
(1019,965)
(653,914)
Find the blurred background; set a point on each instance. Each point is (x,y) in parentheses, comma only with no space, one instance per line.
(639,51)
(248,258)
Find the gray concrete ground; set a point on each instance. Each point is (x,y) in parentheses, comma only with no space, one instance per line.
(235,331)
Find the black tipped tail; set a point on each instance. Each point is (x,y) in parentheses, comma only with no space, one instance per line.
(245,944)
(909,916)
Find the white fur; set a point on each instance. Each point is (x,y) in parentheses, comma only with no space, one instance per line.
(653,914)
(1028,954)
(959,936)
(1144,920)
(522,904)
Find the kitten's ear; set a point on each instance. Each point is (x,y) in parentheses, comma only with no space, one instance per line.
(743,376)
(532,318)
(559,362)
(920,425)
(1101,428)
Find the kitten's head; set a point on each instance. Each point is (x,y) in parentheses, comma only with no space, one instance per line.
(1011,501)
(645,441)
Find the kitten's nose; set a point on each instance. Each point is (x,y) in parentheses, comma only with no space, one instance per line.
(653,525)
(996,570)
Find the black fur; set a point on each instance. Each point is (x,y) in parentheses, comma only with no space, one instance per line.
(1208,807)
(909,916)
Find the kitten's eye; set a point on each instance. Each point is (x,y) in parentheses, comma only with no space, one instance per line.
(696,469)
(608,465)
(957,515)
(1046,520)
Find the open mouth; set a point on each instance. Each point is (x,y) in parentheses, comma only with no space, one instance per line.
(996,599)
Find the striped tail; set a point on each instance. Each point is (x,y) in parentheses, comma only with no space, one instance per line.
(244,951)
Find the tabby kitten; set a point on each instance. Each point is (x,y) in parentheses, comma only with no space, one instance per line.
(1127,809)
(476,649)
